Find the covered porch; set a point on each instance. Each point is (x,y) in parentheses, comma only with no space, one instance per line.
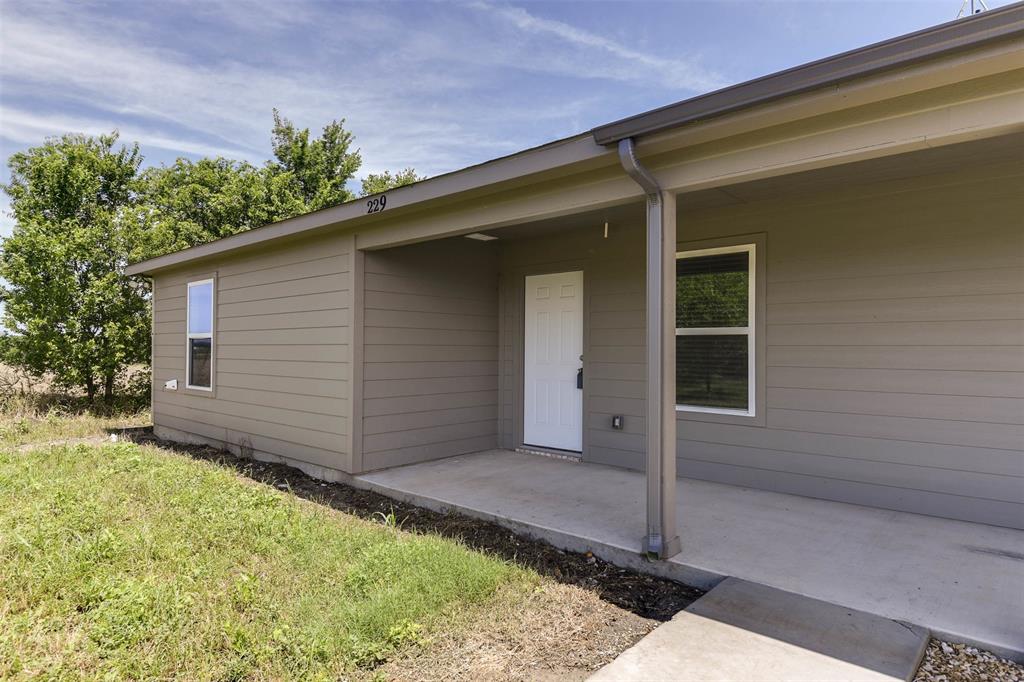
(883,356)
(961,580)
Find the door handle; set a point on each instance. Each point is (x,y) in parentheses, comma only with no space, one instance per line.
(579,378)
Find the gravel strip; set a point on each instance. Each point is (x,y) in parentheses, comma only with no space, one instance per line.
(945,662)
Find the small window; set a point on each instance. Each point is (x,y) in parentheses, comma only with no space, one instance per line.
(715,330)
(199,349)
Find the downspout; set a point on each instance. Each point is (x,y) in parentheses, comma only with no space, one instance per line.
(661,539)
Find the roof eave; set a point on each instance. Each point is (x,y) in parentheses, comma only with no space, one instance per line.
(944,39)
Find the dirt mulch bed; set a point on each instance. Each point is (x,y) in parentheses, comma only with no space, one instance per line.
(646,596)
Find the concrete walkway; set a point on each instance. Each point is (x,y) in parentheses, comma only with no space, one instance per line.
(744,631)
(961,580)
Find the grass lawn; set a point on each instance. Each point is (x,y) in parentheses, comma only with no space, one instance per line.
(125,561)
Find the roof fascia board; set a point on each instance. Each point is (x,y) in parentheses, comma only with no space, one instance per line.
(971,119)
(932,76)
(962,34)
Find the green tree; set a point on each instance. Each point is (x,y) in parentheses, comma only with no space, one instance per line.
(193,202)
(375,183)
(69,308)
(314,170)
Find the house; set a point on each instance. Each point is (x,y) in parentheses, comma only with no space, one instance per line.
(810,283)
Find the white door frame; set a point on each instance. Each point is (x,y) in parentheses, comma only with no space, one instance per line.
(562,427)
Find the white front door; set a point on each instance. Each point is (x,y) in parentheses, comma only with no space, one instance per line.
(553,410)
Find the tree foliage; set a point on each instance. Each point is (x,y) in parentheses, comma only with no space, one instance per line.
(314,170)
(72,312)
(83,210)
(193,202)
(375,183)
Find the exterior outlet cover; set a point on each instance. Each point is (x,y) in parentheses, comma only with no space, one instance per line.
(171,385)
(617,421)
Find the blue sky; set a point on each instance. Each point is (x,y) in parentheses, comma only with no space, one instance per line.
(432,85)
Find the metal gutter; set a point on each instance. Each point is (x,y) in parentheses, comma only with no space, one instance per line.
(661,540)
(962,34)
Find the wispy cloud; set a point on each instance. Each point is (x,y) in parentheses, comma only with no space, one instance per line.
(633,64)
(436,87)
(28,128)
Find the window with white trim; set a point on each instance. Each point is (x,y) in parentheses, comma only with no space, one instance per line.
(199,342)
(715,330)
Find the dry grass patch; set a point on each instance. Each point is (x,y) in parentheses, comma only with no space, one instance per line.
(55,426)
(544,632)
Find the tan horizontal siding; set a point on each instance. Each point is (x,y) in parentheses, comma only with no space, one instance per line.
(282,352)
(430,449)
(255,426)
(411,336)
(274,257)
(289,401)
(948,481)
(404,353)
(327,300)
(443,433)
(407,405)
(274,416)
(418,302)
(295,369)
(302,286)
(980,510)
(439,386)
(310,336)
(895,372)
(926,406)
(977,282)
(894,380)
(945,333)
(426,370)
(927,309)
(942,358)
(318,267)
(895,346)
(274,446)
(307,353)
(325,388)
(430,363)
(417,421)
(955,457)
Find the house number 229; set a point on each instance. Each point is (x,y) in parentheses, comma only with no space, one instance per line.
(377,204)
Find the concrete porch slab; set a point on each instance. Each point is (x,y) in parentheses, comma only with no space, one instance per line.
(745,631)
(960,580)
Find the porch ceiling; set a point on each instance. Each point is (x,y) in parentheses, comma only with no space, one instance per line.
(626,214)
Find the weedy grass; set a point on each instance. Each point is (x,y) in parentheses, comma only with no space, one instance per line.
(21,428)
(123,561)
